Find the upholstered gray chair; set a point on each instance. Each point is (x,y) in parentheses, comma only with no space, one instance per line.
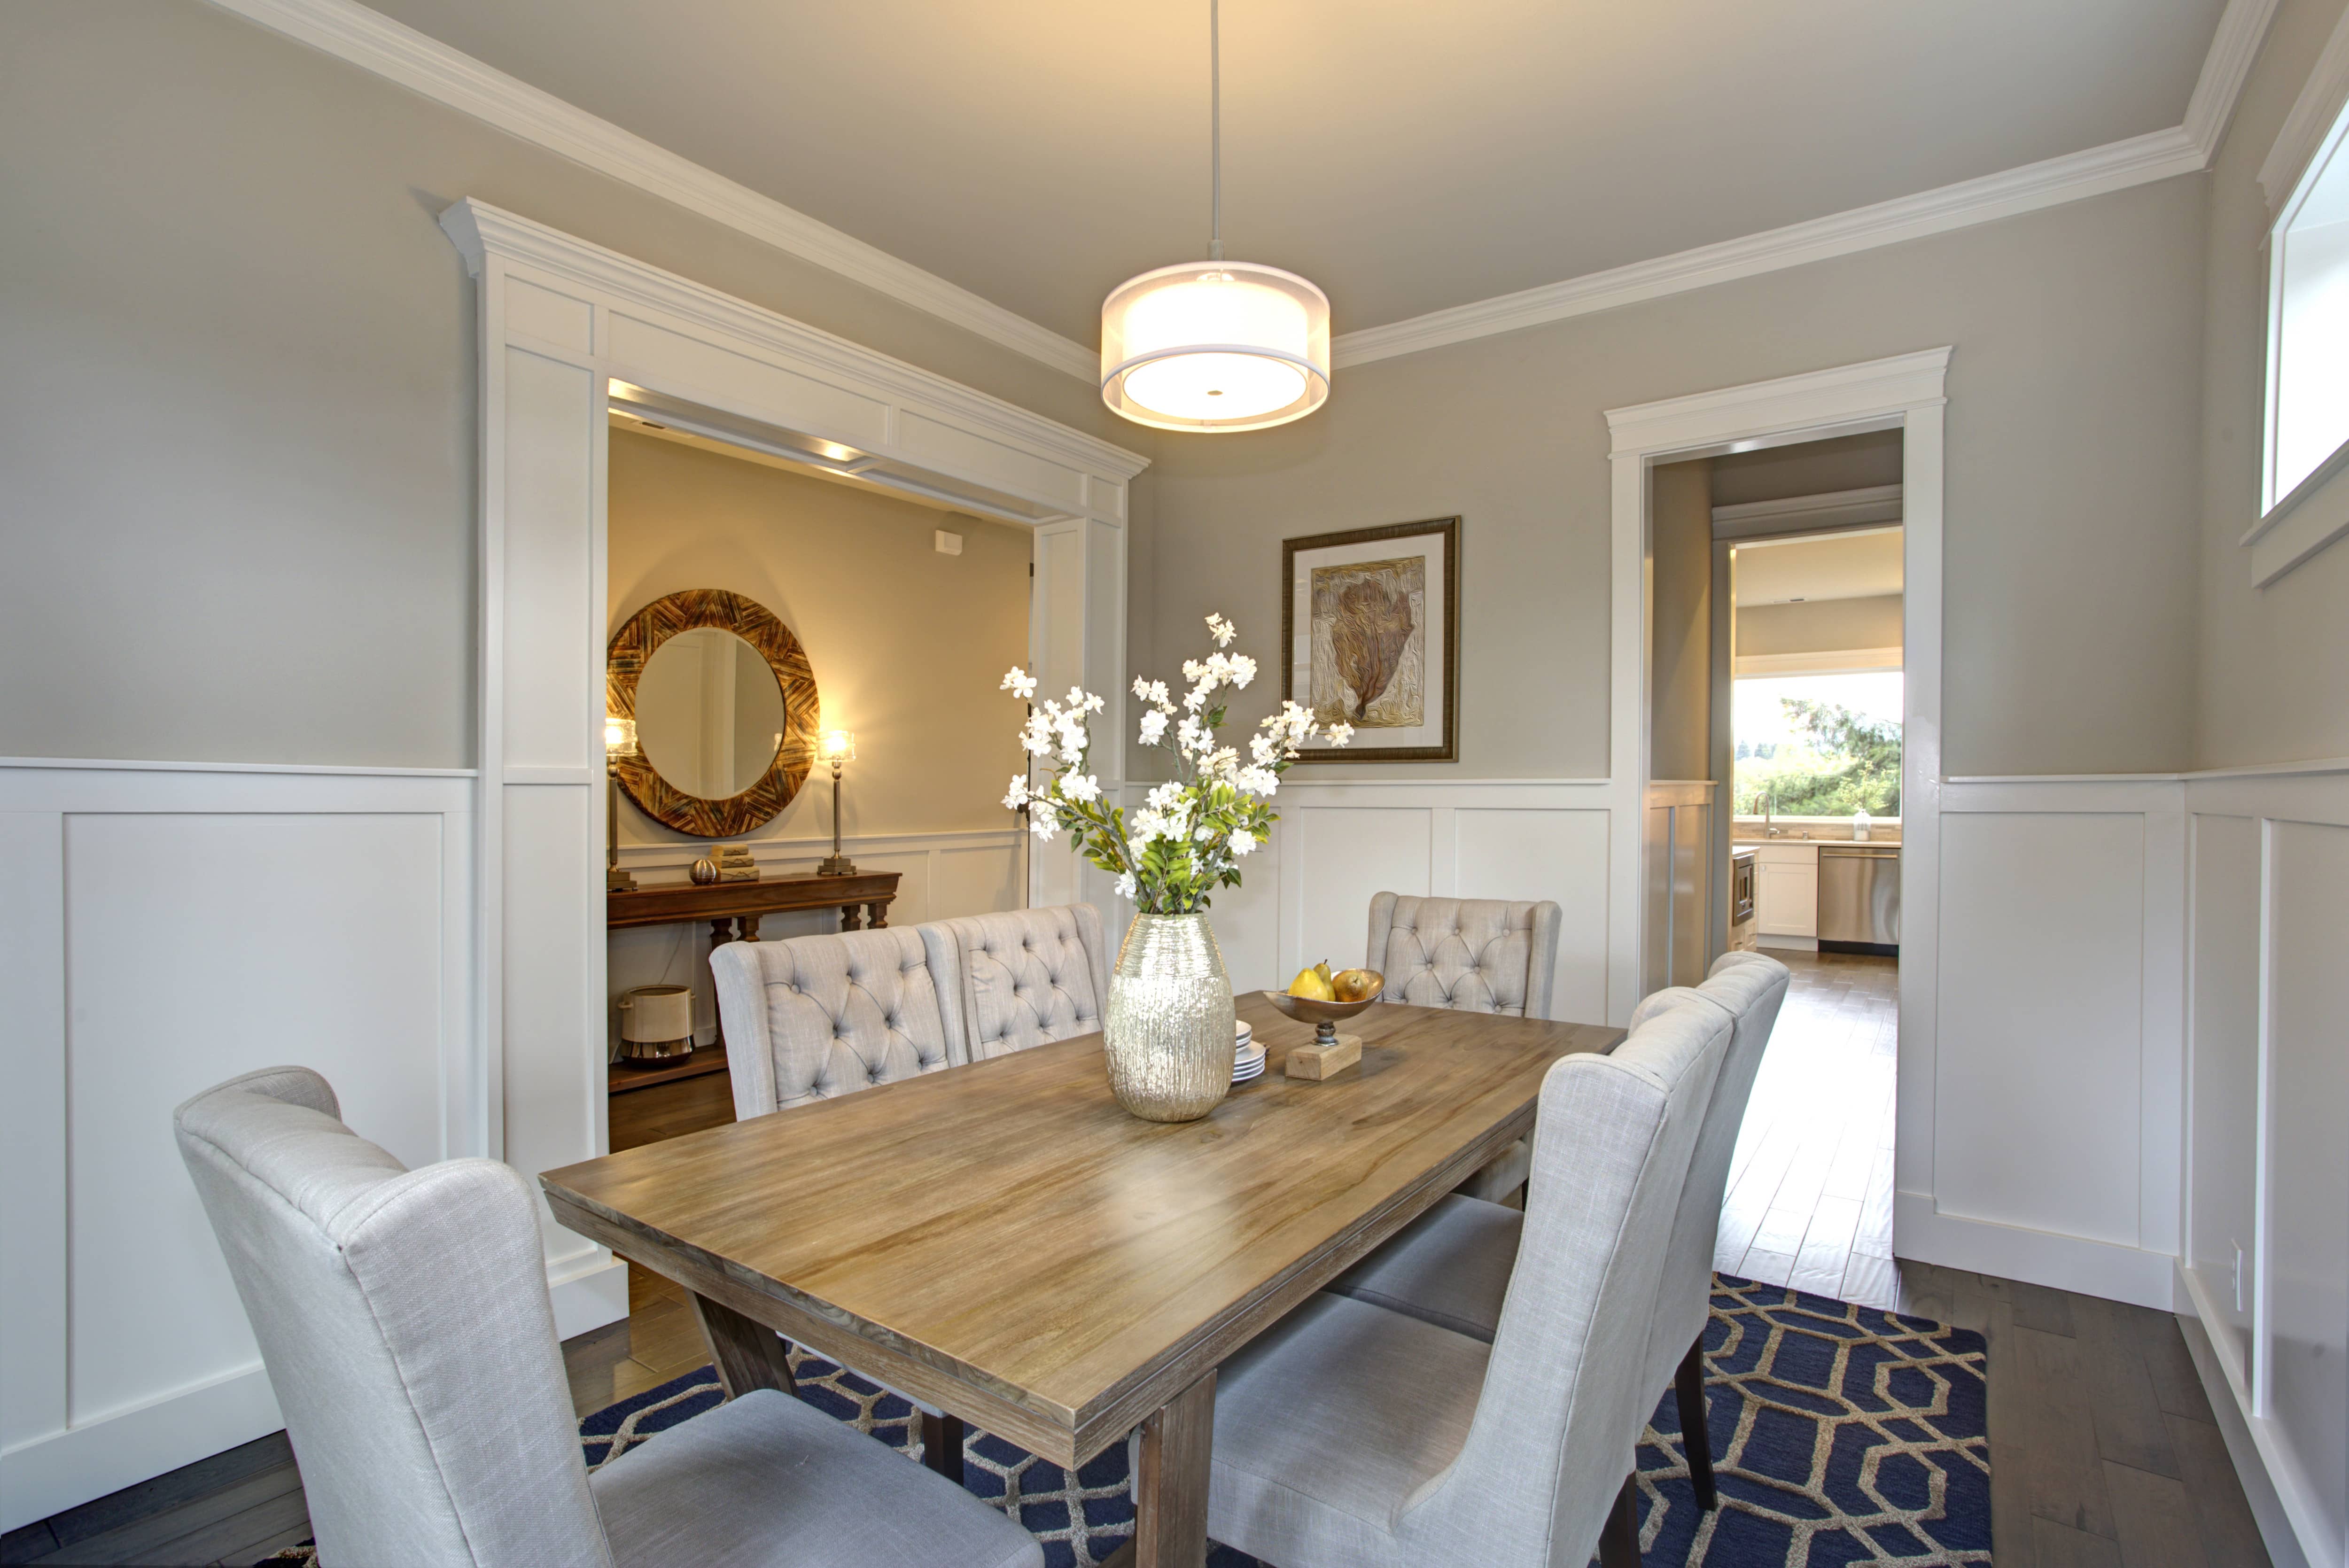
(814,1018)
(811,1017)
(1030,975)
(1350,1436)
(404,1320)
(1452,1266)
(1474,955)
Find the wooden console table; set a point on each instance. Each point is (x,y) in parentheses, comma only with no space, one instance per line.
(732,909)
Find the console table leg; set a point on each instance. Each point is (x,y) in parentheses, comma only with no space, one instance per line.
(877,915)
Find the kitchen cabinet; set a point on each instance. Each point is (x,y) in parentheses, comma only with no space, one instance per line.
(1786,890)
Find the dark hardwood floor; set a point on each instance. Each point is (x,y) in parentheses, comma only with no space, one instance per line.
(2102,1450)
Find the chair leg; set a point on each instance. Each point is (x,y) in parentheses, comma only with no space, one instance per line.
(942,1445)
(1618,1539)
(1689,1384)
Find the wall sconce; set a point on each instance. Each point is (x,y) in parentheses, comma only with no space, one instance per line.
(836,747)
(619,741)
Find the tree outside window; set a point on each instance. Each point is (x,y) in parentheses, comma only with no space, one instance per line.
(1818,746)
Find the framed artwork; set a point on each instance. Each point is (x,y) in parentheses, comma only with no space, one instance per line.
(1370,630)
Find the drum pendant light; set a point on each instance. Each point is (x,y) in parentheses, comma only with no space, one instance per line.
(1216,345)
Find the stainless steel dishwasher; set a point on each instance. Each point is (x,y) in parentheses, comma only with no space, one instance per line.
(1859,897)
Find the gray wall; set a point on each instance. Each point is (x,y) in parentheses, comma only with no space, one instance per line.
(1680,544)
(237,425)
(2274,663)
(1807,467)
(2072,477)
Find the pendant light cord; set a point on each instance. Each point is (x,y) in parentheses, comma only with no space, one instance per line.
(1216,126)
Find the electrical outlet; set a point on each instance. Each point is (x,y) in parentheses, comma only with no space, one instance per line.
(949,543)
(2239,1276)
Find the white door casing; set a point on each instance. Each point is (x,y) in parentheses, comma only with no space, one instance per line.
(562,320)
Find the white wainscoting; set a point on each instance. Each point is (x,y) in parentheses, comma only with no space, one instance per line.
(941,875)
(2267,1168)
(166,927)
(1308,893)
(2040,1112)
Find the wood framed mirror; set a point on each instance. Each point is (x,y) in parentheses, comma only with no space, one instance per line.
(725,707)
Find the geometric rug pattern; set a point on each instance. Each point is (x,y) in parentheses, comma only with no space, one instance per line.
(1840,1435)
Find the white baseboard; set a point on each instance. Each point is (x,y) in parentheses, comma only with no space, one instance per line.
(2036,1257)
(63,1469)
(2275,1484)
(588,1292)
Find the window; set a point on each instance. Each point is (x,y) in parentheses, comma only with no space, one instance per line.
(2308,385)
(1817,746)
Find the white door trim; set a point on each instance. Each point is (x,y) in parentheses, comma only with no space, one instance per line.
(562,320)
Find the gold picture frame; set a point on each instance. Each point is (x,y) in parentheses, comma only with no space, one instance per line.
(1370,634)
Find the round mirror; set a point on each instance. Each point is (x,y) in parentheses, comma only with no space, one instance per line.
(710,714)
(722,709)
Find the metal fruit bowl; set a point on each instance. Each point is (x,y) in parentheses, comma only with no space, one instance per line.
(1324,1016)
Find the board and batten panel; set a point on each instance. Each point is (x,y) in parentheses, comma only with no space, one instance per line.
(200,947)
(1527,854)
(554,1063)
(1334,859)
(2223,1190)
(2307,1266)
(166,930)
(553,671)
(2037,1093)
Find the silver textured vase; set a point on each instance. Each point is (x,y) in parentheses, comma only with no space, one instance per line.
(1168,1034)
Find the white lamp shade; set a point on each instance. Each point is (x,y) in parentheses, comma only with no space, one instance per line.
(1215,345)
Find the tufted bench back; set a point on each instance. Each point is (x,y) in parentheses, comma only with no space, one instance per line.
(815,1016)
(1030,975)
(1473,954)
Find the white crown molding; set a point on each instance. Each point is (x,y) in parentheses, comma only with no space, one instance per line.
(2158,155)
(398,53)
(2116,166)
(2310,122)
(353,34)
(477,229)
(2242,28)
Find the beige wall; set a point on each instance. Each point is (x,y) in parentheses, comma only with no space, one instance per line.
(238,424)
(2275,662)
(1680,540)
(907,645)
(1820,625)
(2072,425)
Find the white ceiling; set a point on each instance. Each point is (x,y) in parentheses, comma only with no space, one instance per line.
(1832,566)
(1406,157)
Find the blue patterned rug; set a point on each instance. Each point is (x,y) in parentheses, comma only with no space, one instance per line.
(1840,1435)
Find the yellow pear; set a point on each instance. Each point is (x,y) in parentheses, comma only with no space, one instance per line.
(1312,983)
(1356,984)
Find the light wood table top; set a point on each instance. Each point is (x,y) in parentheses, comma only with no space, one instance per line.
(1002,1241)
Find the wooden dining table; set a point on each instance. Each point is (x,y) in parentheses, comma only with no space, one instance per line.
(1002,1241)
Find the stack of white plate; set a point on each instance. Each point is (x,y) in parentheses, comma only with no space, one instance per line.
(1249,1061)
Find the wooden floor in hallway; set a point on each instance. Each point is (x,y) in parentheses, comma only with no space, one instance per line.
(1810,1191)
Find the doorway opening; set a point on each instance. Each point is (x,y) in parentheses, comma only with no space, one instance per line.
(1777,712)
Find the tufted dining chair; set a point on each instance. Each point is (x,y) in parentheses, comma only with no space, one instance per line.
(1453,1265)
(404,1321)
(1350,1435)
(1030,975)
(814,1018)
(811,1017)
(1473,956)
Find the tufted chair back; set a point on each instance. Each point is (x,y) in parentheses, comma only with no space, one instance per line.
(814,1016)
(1472,954)
(1030,975)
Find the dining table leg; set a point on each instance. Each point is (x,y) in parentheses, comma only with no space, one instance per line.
(748,1355)
(1170,1483)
